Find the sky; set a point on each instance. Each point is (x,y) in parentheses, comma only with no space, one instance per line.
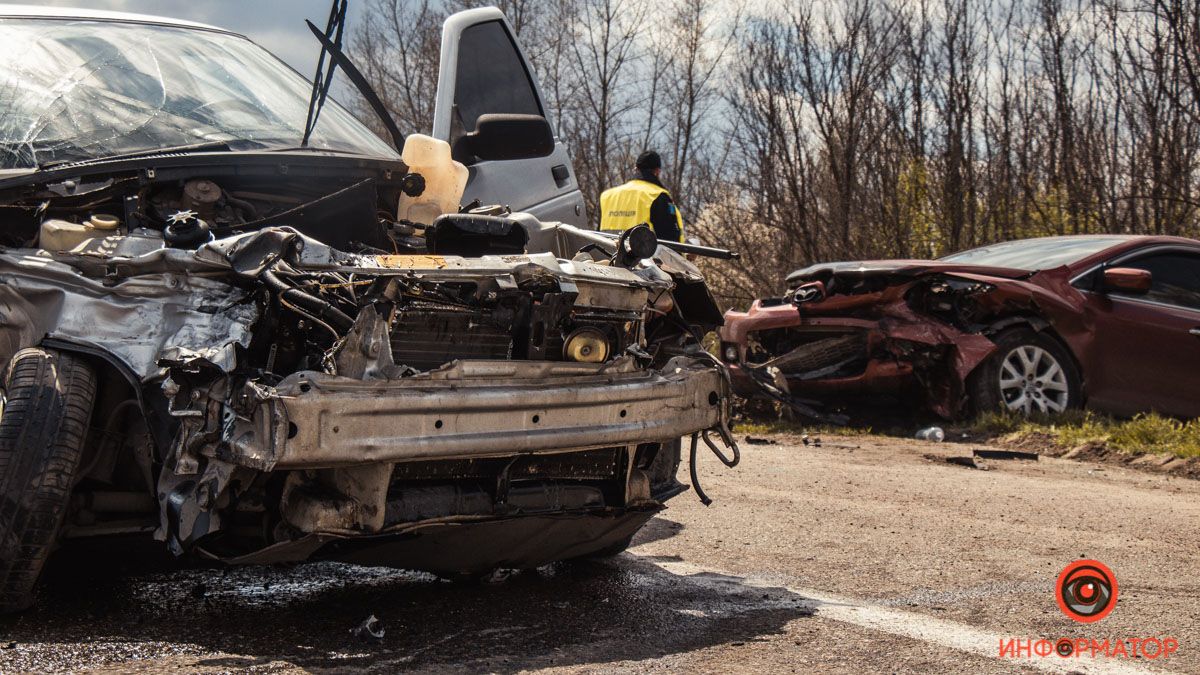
(277,25)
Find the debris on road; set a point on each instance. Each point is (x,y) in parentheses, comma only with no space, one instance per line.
(969,462)
(935,434)
(1005,454)
(754,440)
(370,628)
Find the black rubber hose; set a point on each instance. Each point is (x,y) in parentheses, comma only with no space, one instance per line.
(242,205)
(695,478)
(737,454)
(309,303)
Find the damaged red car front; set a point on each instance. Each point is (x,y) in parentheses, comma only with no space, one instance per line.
(1039,325)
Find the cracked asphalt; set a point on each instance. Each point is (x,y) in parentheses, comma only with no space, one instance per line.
(866,554)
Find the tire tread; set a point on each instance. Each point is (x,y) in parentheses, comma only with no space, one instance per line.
(42,434)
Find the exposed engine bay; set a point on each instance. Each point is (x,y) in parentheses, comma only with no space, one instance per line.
(287,366)
(913,331)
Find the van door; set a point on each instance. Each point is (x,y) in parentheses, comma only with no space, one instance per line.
(483,71)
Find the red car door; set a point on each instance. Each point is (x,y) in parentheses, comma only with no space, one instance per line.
(1146,353)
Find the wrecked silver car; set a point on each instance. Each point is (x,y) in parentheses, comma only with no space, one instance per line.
(220,329)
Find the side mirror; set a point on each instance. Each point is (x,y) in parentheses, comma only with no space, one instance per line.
(501,137)
(1127,280)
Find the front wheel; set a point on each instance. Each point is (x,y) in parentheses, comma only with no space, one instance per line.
(43,426)
(1029,373)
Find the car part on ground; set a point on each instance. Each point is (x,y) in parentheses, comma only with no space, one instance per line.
(1054,330)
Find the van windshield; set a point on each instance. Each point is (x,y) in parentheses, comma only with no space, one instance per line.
(79,89)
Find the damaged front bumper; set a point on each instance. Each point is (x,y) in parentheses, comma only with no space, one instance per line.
(471,409)
(825,352)
(480,442)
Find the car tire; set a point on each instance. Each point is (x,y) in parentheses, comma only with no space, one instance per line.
(43,427)
(1030,372)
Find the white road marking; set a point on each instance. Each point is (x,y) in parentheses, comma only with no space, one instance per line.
(897,622)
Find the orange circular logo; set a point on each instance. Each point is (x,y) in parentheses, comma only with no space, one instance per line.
(1086,591)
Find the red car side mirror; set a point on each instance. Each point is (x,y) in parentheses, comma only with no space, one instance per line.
(1127,280)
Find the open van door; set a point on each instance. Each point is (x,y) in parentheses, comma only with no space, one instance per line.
(484,73)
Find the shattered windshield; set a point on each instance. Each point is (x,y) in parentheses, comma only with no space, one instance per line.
(1035,254)
(74,90)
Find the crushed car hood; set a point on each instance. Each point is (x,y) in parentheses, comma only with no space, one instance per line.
(141,303)
(899,268)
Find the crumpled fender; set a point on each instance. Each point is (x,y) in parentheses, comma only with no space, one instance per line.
(134,318)
(1048,295)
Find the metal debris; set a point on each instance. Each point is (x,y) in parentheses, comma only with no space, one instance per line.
(370,628)
(754,440)
(969,462)
(1005,454)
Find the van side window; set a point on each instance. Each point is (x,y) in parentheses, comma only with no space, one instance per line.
(1176,278)
(491,77)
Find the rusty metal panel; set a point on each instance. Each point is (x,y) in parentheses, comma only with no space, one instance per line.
(339,421)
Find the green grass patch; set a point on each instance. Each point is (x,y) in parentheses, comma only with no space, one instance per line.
(1151,432)
(760,427)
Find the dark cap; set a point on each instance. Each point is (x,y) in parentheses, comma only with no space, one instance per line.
(648,161)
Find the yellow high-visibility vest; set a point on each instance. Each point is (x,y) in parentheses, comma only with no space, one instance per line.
(628,205)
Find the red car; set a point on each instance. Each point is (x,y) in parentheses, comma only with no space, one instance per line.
(1036,325)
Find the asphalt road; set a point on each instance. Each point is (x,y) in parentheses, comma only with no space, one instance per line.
(866,554)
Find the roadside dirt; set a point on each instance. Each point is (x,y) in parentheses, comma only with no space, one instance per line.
(865,554)
(1185,467)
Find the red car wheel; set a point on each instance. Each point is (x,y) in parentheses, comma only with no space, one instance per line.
(1029,373)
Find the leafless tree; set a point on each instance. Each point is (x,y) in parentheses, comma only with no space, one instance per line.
(803,132)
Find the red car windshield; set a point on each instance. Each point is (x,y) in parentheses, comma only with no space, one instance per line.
(1036,254)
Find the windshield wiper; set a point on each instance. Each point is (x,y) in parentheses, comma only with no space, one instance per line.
(322,80)
(331,44)
(149,152)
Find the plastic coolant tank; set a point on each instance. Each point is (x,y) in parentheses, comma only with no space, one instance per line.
(63,235)
(445,179)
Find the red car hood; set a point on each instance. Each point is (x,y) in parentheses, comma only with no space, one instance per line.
(899,268)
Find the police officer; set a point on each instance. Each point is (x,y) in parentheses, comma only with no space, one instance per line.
(642,200)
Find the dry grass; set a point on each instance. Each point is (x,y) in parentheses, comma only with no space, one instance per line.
(1149,433)
(760,427)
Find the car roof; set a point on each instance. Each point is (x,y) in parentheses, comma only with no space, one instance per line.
(1118,244)
(1115,238)
(36,12)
